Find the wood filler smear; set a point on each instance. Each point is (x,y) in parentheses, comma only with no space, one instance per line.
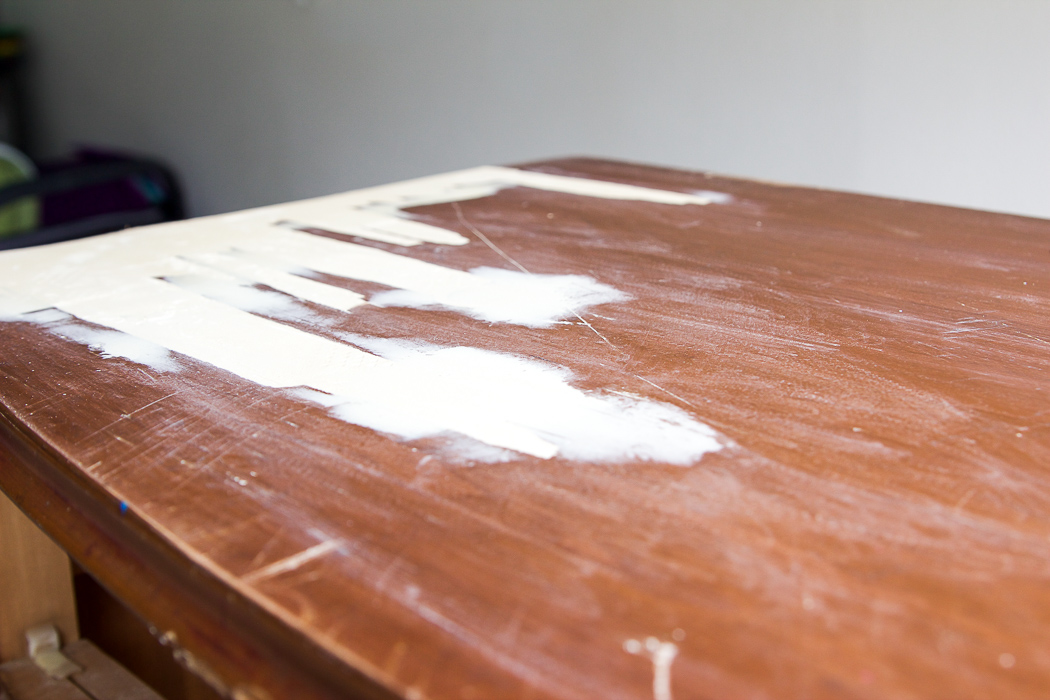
(189,288)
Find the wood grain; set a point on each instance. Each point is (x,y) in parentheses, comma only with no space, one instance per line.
(123,636)
(36,584)
(104,678)
(100,678)
(878,527)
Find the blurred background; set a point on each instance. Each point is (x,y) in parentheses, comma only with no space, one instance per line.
(257,101)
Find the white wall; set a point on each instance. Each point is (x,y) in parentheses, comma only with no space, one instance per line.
(256,101)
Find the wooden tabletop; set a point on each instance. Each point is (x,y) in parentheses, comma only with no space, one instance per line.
(573,429)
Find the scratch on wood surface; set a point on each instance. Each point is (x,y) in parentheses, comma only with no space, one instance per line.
(499,251)
(150,404)
(124,416)
(269,542)
(483,645)
(396,656)
(595,331)
(666,391)
(226,448)
(293,562)
(510,632)
(1038,340)
(485,239)
(965,499)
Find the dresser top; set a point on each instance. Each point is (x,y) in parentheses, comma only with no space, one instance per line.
(572,429)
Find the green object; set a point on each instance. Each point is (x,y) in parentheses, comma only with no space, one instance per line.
(22,215)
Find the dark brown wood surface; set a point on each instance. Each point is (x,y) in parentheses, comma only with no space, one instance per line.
(879,525)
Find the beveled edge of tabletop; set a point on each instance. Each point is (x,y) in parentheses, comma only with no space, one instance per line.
(231,642)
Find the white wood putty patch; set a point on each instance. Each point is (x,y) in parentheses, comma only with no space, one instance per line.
(82,270)
(246,297)
(375,213)
(187,287)
(662,654)
(530,402)
(107,343)
(510,296)
(251,271)
(713,197)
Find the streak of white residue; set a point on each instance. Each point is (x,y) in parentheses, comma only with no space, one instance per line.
(188,287)
(293,285)
(293,562)
(374,213)
(242,295)
(506,296)
(83,272)
(519,404)
(410,391)
(108,343)
(662,654)
(714,197)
